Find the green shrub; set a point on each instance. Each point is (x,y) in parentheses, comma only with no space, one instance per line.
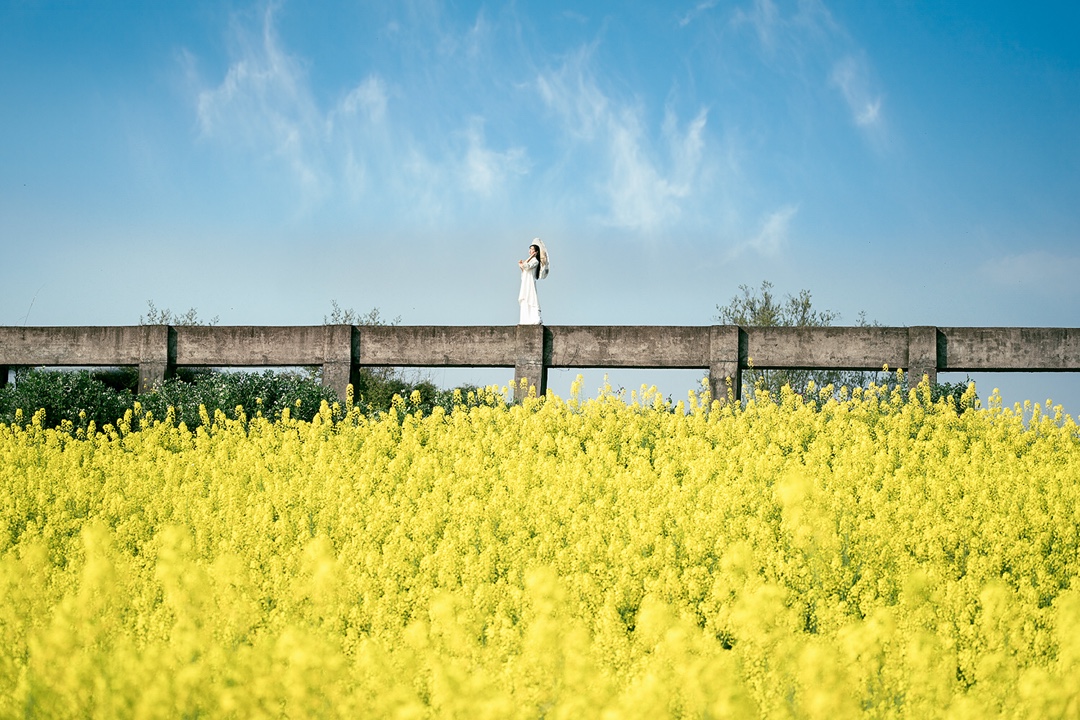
(103,396)
(268,392)
(954,392)
(77,396)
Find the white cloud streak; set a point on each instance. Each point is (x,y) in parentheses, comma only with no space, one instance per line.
(367,100)
(803,38)
(644,187)
(371,147)
(573,94)
(264,103)
(771,239)
(764,17)
(486,170)
(849,75)
(358,147)
(699,9)
(358,123)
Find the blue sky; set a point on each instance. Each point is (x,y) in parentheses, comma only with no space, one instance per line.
(916,161)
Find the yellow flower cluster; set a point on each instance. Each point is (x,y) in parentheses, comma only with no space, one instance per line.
(875,556)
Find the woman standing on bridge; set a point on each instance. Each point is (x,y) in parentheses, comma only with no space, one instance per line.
(533,269)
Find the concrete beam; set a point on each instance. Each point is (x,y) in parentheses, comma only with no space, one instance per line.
(643,346)
(1005,349)
(431,346)
(249,346)
(66,346)
(838,348)
(157,350)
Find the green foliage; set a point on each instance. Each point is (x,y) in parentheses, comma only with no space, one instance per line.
(956,393)
(340,316)
(762,308)
(375,387)
(375,395)
(75,396)
(80,397)
(103,396)
(167,317)
(266,392)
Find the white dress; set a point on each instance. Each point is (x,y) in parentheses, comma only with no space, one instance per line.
(530,305)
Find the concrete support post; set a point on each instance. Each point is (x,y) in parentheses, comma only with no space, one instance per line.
(157,353)
(922,354)
(339,368)
(529,362)
(724,362)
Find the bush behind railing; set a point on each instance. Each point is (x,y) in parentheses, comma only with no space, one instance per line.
(101,396)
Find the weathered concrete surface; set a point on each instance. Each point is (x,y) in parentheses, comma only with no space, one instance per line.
(725,373)
(922,360)
(340,345)
(331,346)
(157,352)
(631,346)
(840,348)
(1010,349)
(435,346)
(59,346)
(250,346)
(529,371)
(724,350)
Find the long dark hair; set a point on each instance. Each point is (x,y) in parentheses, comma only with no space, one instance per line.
(537,271)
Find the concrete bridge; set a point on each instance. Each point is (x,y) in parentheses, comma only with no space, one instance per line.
(724,350)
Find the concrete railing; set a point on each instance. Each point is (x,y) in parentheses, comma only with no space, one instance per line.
(724,350)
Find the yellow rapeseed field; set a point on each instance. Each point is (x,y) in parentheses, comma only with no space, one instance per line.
(876,556)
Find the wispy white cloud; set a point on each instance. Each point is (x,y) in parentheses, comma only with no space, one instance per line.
(571,91)
(485,170)
(478,37)
(363,144)
(797,41)
(367,100)
(639,196)
(700,8)
(793,32)
(392,141)
(643,182)
(687,145)
(357,126)
(772,235)
(850,76)
(764,17)
(264,103)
